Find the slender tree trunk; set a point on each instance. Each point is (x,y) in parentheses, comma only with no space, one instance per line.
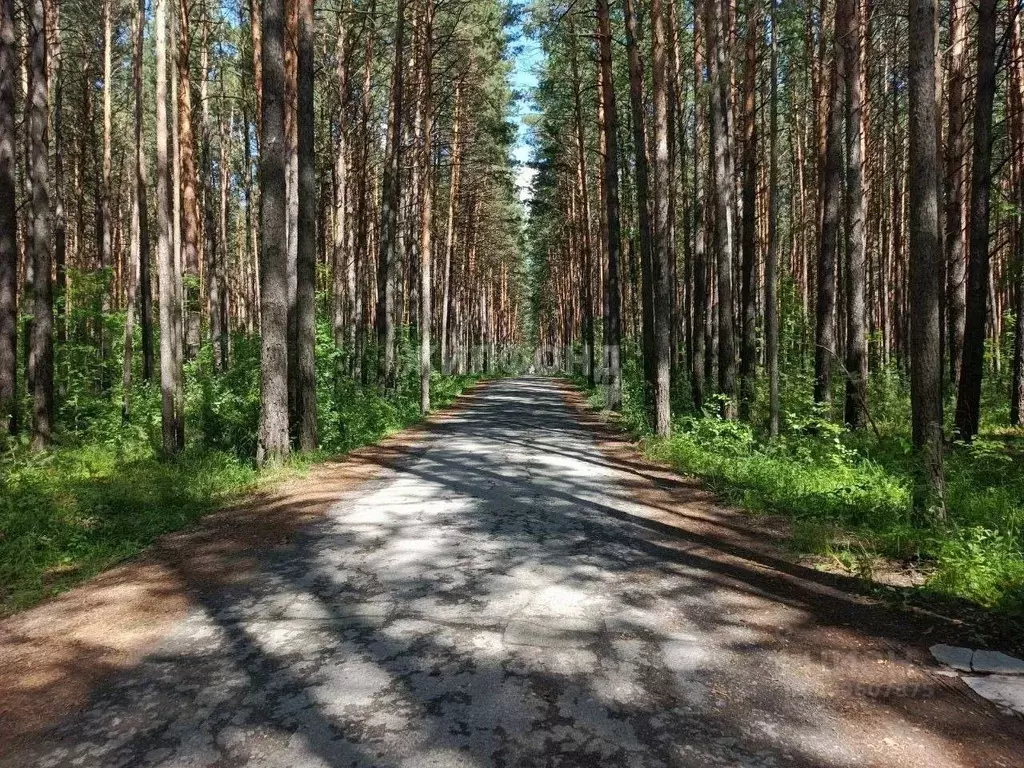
(306,267)
(138,272)
(8,227)
(700,292)
(925,259)
(586,245)
(856,268)
(213,253)
(638,108)
(602,218)
(661,245)
(968,402)
(171,352)
(771,278)
(60,247)
(252,215)
(956,154)
(723,189)
(106,224)
(748,344)
(426,203)
(449,245)
(613,245)
(342,292)
(176,177)
(144,285)
(189,184)
(831,208)
(391,196)
(678,235)
(273,437)
(40,361)
(1016,99)
(220,303)
(291,132)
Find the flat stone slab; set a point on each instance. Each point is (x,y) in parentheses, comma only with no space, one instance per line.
(969,660)
(953,656)
(997,663)
(1005,691)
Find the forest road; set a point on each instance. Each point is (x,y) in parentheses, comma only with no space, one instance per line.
(518,588)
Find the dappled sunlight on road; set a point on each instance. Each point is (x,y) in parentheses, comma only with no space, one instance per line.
(500,595)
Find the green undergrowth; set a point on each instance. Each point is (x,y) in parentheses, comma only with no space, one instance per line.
(848,495)
(103,494)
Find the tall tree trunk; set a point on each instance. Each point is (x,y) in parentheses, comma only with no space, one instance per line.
(771,278)
(723,190)
(661,246)
(189,184)
(700,292)
(1016,99)
(748,343)
(106,224)
(306,267)
(391,195)
(342,320)
(638,108)
(449,245)
(968,401)
(40,361)
(273,437)
(171,352)
(831,208)
(584,190)
(613,244)
(365,278)
(252,238)
(856,269)
(171,332)
(8,227)
(925,259)
(141,232)
(138,270)
(291,133)
(956,154)
(176,177)
(212,251)
(60,240)
(426,202)
(220,304)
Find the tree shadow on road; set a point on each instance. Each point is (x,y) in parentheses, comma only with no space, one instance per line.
(499,596)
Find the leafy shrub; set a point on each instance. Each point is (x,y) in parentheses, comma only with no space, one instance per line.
(980,564)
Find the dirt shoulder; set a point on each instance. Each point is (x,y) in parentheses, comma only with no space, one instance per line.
(53,655)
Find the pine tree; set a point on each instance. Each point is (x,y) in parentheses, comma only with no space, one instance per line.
(925,259)
(8,227)
(273,437)
(39,247)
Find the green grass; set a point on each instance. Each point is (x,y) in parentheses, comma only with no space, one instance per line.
(848,495)
(66,516)
(104,495)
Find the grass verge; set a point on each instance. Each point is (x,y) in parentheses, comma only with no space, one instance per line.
(847,497)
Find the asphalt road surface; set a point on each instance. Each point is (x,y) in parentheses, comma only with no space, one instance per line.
(506,594)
